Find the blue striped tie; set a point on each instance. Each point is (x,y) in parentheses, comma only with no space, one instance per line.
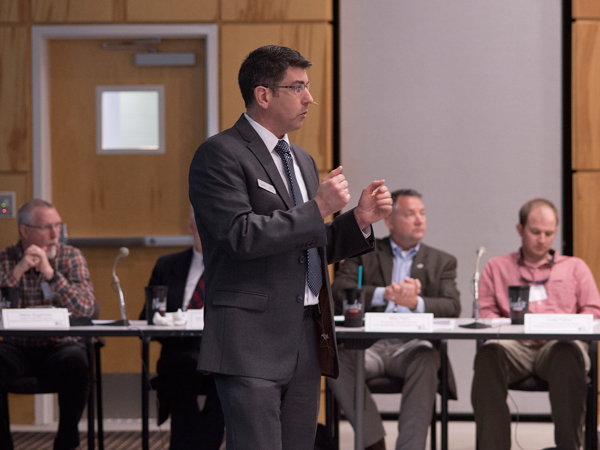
(313,260)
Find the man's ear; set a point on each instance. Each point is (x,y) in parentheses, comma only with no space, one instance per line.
(23,231)
(262,96)
(520,229)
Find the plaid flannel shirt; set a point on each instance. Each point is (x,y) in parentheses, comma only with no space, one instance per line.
(70,288)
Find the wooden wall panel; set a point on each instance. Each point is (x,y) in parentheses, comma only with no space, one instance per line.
(313,41)
(21,409)
(73,11)
(172,11)
(15,99)
(586,95)
(13,11)
(20,184)
(586,9)
(275,10)
(586,217)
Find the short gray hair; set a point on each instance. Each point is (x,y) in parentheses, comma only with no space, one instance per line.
(404,193)
(25,213)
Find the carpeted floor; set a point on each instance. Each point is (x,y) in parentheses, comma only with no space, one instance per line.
(113,440)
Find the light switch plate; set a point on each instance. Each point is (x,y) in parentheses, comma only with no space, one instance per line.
(8,205)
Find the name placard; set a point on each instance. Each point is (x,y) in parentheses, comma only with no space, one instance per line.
(35,318)
(559,323)
(195,319)
(399,322)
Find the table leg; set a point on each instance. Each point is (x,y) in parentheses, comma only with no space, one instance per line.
(359,397)
(444,415)
(91,404)
(145,390)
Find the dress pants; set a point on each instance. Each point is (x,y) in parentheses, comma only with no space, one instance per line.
(65,368)
(277,414)
(192,428)
(563,364)
(417,362)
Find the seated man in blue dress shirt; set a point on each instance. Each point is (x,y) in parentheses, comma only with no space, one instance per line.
(402,275)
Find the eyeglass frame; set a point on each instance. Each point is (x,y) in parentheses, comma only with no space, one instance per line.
(521,263)
(50,227)
(298,88)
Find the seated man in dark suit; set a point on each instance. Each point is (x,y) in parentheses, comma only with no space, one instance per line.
(191,428)
(47,273)
(402,275)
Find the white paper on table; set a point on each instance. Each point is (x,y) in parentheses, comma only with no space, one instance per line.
(444,324)
(35,318)
(559,323)
(195,319)
(422,322)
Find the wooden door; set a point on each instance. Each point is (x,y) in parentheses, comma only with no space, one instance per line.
(122,195)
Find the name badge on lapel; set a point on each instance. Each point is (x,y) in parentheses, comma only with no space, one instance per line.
(266,186)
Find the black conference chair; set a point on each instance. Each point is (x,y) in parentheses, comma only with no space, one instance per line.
(535,384)
(32,385)
(394,385)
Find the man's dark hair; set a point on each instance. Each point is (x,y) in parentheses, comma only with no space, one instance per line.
(404,193)
(266,66)
(527,207)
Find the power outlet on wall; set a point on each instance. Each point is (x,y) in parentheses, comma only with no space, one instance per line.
(7,205)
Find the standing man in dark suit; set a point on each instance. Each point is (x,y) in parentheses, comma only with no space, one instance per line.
(259,207)
(179,383)
(405,276)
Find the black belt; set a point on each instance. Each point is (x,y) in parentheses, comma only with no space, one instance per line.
(312,311)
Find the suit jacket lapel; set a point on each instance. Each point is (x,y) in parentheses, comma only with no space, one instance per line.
(386,261)
(419,264)
(256,145)
(178,279)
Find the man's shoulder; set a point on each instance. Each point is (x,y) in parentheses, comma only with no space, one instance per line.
(573,261)
(68,252)
(173,258)
(503,261)
(436,252)
(11,249)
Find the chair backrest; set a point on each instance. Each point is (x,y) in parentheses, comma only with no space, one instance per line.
(385,385)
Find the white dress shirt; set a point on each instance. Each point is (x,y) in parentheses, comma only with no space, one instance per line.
(196,271)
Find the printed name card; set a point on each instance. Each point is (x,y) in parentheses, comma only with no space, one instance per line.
(35,318)
(195,319)
(559,323)
(402,322)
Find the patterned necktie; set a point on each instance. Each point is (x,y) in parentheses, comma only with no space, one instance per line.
(313,260)
(197,300)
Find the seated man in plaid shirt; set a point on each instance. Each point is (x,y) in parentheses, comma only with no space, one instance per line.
(47,273)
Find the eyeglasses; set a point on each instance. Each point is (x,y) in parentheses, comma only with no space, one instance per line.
(298,88)
(50,227)
(529,279)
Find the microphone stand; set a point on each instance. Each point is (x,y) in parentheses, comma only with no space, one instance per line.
(475,280)
(117,284)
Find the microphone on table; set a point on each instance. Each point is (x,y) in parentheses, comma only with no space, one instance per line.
(123,253)
(480,251)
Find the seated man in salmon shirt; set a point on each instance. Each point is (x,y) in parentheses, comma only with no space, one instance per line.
(558,285)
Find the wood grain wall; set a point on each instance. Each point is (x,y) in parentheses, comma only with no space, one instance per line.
(585,122)
(243,26)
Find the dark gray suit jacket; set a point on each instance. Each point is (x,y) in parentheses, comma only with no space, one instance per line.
(254,241)
(435,269)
